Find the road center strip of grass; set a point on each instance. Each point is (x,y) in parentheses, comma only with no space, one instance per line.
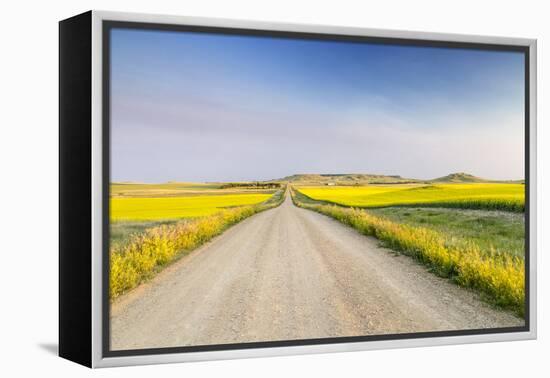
(500,277)
(148,252)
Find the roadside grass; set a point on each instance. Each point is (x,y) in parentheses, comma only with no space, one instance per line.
(121,232)
(486,196)
(146,253)
(492,231)
(500,278)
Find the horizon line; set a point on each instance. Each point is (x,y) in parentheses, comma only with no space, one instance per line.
(316,174)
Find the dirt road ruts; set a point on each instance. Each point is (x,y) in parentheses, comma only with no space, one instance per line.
(290,273)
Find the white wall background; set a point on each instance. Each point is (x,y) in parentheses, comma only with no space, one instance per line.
(28,193)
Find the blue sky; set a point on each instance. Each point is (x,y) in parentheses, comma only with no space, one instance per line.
(206,107)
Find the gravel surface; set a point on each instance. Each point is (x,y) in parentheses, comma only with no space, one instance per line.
(290,273)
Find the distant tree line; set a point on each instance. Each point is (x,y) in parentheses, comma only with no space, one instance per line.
(253,185)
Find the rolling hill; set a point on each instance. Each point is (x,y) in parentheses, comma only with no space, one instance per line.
(346,179)
(366,178)
(459,177)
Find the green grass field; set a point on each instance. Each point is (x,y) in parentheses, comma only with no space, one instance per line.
(502,232)
(497,196)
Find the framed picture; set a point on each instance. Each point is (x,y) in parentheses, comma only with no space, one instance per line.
(233,189)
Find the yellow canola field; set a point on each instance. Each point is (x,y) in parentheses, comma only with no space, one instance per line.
(496,196)
(162,208)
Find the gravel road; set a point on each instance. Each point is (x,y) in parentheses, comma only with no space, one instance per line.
(290,273)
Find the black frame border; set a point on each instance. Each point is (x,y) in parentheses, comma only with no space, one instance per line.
(108,25)
(75,192)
